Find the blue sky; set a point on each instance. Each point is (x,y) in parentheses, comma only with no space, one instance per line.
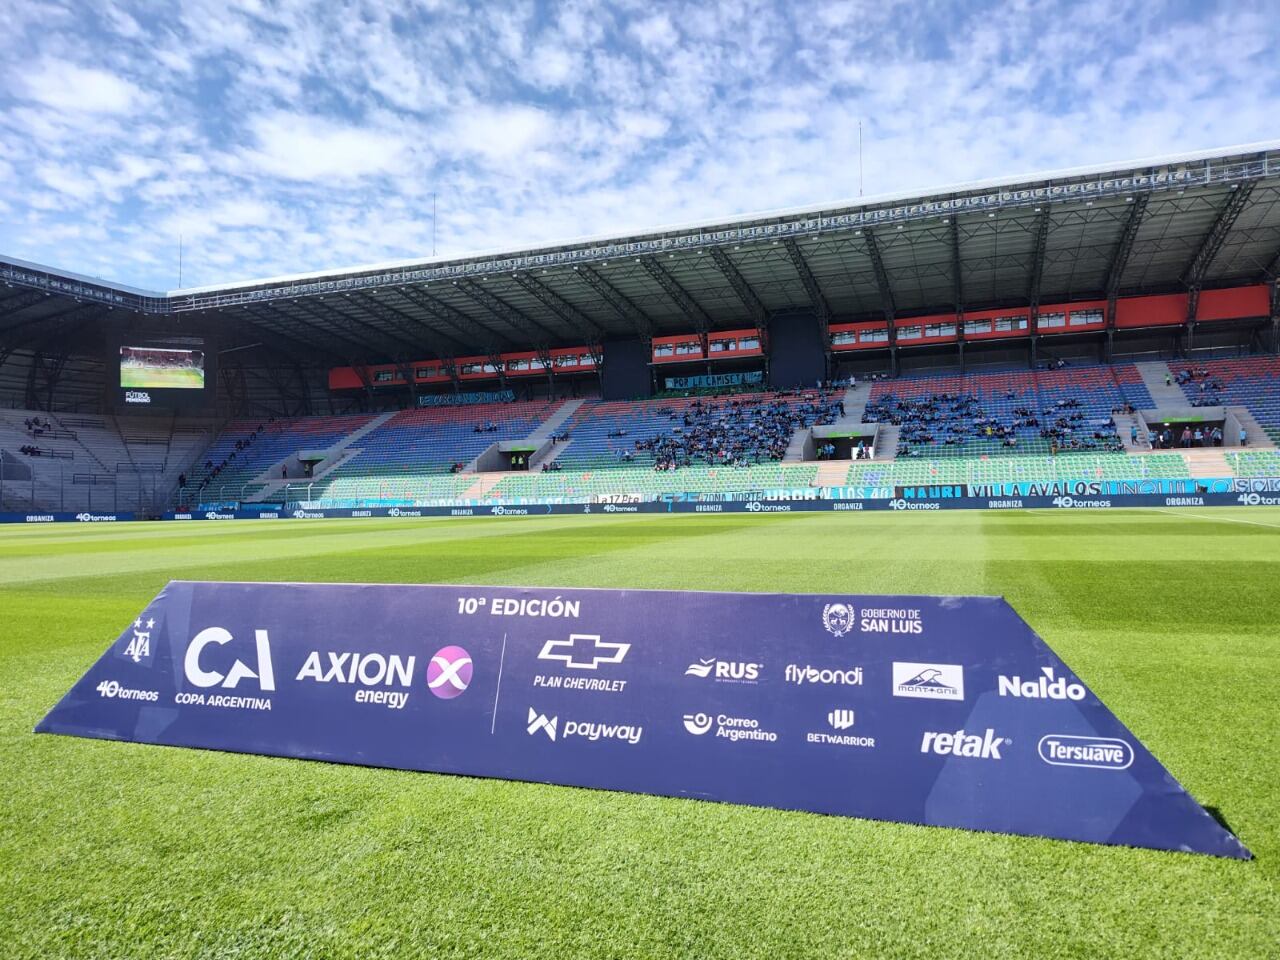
(281,137)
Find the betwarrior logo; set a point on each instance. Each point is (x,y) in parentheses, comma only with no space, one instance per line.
(1047,687)
(983,746)
(928,681)
(840,719)
(728,671)
(1103,753)
(377,676)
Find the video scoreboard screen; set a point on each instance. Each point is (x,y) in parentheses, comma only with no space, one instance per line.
(163,372)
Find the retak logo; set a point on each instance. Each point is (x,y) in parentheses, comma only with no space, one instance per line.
(983,746)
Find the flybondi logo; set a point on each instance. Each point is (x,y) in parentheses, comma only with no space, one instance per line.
(1102,753)
(826,676)
(982,746)
(730,671)
(585,730)
(1046,687)
(928,681)
(200,673)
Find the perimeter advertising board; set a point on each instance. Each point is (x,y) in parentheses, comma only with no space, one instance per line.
(947,711)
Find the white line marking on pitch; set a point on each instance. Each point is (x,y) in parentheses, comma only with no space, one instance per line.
(1201,516)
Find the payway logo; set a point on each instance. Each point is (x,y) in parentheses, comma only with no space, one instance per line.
(586,730)
(583,651)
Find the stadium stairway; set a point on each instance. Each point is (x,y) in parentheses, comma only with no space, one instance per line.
(1123,422)
(1164,395)
(336,455)
(832,473)
(1259,439)
(886,447)
(1211,462)
(547,427)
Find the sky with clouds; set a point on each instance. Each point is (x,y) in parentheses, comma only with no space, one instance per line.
(282,137)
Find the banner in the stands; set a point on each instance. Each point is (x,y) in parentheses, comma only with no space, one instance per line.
(465,398)
(945,711)
(715,380)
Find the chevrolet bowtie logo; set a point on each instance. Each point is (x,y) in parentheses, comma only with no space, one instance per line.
(584,651)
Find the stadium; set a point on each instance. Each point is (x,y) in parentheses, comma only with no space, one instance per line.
(1072,378)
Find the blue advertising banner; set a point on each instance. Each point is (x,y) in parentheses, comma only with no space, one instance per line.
(947,711)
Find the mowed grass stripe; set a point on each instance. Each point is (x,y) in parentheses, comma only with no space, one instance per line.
(127,850)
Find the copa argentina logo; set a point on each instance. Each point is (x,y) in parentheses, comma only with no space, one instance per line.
(982,746)
(838,618)
(928,681)
(1046,687)
(1102,753)
(382,680)
(726,671)
(202,671)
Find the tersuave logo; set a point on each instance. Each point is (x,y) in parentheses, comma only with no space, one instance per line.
(928,681)
(1103,753)
(983,746)
(1040,688)
(729,671)
(200,677)
(584,651)
(824,675)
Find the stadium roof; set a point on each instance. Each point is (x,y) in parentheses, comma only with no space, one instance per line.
(1160,225)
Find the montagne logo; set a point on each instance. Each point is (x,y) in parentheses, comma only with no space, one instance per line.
(1103,753)
(728,671)
(928,681)
(983,746)
(584,651)
(1047,687)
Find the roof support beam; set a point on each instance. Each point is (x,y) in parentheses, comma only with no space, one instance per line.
(887,306)
(700,319)
(1193,276)
(23,300)
(1120,256)
(615,298)
(504,311)
(558,305)
(331,326)
(957,279)
(1273,269)
(464,326)
(415,331)
(1037,268)
(759,315)
(817,299)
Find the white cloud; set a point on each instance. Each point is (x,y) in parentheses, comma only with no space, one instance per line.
(307,147)
(67,86)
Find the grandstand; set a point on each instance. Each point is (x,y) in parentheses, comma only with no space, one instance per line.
(1041,349)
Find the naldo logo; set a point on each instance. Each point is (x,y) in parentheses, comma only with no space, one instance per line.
(1046,687)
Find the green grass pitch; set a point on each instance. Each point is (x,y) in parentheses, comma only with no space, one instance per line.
(131,851)
(161,378)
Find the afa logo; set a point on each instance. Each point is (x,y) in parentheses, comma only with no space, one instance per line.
(838,618)
(139,646)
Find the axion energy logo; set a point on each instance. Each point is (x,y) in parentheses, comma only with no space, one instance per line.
(449,672)
(928,681)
